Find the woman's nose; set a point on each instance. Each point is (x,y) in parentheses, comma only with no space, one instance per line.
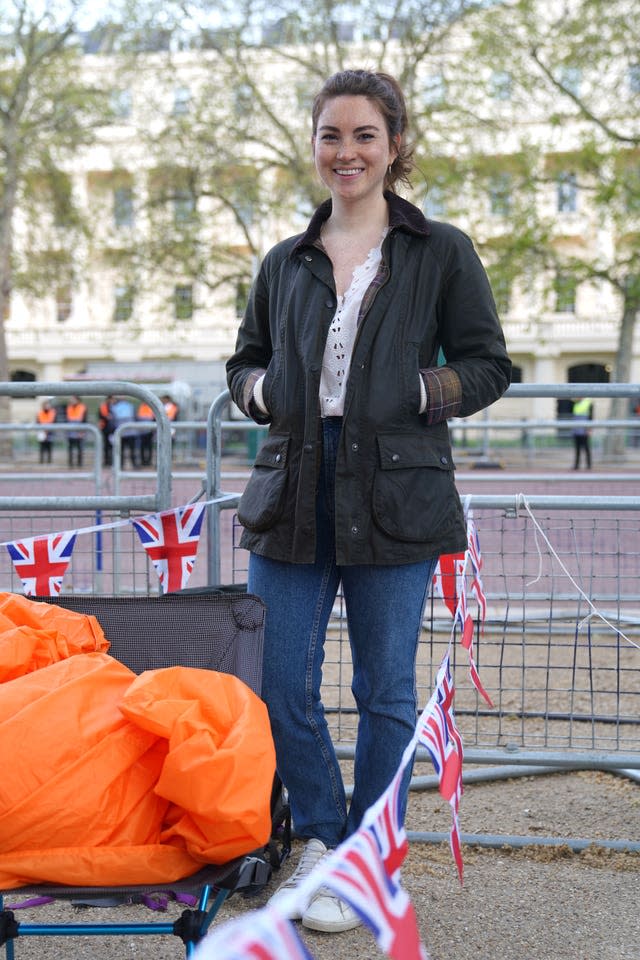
(345,149)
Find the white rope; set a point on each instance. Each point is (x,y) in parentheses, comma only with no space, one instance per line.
(522,500)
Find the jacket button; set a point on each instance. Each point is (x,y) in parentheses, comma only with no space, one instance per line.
(278,457)
(444,460)
(354,447)
(308,447)
(308,258)
(329,303)
(354,530)
(395,457)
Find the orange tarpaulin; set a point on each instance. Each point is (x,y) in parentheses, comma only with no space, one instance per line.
(109,778)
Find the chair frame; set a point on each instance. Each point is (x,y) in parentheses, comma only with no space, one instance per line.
(238,622)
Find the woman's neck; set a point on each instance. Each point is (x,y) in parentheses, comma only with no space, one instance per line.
(357,219)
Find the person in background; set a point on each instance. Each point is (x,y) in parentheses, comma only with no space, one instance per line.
(123,412)
(76,413)
(338,352)
(145,414)
(635,432)
(581,414)
(172,410)
(171,407)
(105,425)
(46,415)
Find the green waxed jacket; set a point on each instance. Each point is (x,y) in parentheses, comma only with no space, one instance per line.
(396,500)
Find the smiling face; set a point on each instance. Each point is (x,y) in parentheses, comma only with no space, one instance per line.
(352,149)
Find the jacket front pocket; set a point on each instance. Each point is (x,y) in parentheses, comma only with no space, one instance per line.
(262,502)
(414,496)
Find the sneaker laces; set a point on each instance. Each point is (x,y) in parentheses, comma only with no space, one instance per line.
(312,854)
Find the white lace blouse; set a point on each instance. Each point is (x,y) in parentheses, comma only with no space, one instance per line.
(340,340)
(342,334)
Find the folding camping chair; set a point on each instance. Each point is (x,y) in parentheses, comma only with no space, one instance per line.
(217,630)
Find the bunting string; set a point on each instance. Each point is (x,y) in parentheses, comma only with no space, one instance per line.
(170,539)
(366,869)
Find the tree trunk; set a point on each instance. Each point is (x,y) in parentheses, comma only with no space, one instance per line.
(614,445)
(7,210)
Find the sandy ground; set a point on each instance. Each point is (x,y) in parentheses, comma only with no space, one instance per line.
(536,903)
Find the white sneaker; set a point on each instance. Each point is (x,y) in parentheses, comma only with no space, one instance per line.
(312,854)
(329,914)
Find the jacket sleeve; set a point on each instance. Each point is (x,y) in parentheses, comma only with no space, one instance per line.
(253,350)
(477,368)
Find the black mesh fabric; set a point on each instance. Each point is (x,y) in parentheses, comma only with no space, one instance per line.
(218,630)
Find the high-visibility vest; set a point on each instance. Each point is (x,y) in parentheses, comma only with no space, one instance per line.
(145,412)
(581,408)
(47,416)
(76,412)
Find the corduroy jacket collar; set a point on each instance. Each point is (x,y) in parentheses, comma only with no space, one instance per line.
(403,215)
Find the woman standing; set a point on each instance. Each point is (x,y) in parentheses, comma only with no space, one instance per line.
(338,352)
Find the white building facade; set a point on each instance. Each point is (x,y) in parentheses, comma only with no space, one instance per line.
(116,324)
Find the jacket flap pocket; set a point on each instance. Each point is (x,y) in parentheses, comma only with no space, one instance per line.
(273,453)
(400,451)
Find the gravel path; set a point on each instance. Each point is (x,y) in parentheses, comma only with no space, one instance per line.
(533,904)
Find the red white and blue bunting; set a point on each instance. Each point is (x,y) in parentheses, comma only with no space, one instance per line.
(365,870)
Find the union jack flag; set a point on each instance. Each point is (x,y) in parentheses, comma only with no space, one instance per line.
(450,581)
(446,579)
(384,821)
(171,541)
(476,562)
(358,875)
(437,731)
(262,935)
(41,562)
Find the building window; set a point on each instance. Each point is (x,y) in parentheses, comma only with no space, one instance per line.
(634,78)
(565,291)
(434,90)
(181,101)
(500,85)
(184,206)
(123,207)
(120,101)
(345,30)
(570,78)
(63,303)
(500,194)
(433,205)
(242,100)
(632,188)
(123,302)
(304,97)
(245,211)
(242,297)
(567,192)
(183,302)
(501,287)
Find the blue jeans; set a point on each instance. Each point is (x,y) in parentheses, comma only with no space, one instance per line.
(384,607)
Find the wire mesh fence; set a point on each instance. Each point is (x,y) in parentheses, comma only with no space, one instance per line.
(558,652)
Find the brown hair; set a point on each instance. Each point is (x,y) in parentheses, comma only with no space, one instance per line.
(385,92)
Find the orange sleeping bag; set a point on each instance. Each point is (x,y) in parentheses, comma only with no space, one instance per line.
(112,779)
